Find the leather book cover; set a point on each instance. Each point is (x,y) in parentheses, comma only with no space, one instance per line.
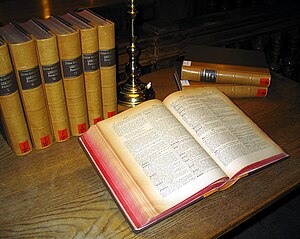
(24,58)
(51,77)
(12,114)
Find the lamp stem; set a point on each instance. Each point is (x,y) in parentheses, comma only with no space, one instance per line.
(133,91)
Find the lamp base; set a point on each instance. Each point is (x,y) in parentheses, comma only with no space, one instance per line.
(131,93)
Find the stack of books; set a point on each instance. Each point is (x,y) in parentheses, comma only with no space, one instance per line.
(59,76)
(236,72)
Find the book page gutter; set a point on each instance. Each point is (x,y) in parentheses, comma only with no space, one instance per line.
(227,134)
(160,154)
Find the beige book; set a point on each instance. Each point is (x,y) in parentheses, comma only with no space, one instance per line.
(12,114)
(91,66)
(46,46)
(231,90)
(106,38)
(25,62)
(225,65)
(219,73)
(161,156)
(68,40)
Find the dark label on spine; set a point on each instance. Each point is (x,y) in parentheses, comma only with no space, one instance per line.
(8,84)
(208,75)
(111,114)
(107,57)
(63,134)
(81,128)
(45,141)
(264,82)
(96,120)
(52,73)
(24,147)
(30,78)
(91,62)
(72,68)
(261,92)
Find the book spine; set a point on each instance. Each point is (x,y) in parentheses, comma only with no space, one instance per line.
(225,74)
(242,91)
(12,114)
(232,91)
(107,54)
(24,57)
(53,84)
(92,76)
(73,79)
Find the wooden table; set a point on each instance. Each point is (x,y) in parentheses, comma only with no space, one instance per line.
(56,193)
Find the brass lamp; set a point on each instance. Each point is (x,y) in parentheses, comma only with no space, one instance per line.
(133,91)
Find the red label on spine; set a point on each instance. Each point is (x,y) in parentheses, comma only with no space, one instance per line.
(24,147)
(96,120)
(81,128)
(63,134)
(111,113)
(45,141)
(264,82)
(261,92)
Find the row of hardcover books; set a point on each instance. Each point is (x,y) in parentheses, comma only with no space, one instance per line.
(236,72)
(57,78)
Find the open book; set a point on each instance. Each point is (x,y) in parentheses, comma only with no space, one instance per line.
(159,157)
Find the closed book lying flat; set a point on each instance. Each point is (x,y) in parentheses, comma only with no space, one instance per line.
(225,65)
(160,157)
(231,90)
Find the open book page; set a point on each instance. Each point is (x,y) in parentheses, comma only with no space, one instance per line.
(117,178)
(159,157)
(232,139)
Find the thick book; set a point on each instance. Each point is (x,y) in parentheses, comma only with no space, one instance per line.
(225,65)
(107,55)
(91,66)
(69,49)
(11,109)
(231,90)
(26,65)
(48,56)
(160,157)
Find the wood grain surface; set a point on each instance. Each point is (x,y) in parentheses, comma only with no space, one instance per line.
(55,192)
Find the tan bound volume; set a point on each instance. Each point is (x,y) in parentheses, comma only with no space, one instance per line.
(225,66)
(231,90)
(91,66)
(12,114)
(106,38)
(24,58)
(71,64)
(230,74)
(52,78)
